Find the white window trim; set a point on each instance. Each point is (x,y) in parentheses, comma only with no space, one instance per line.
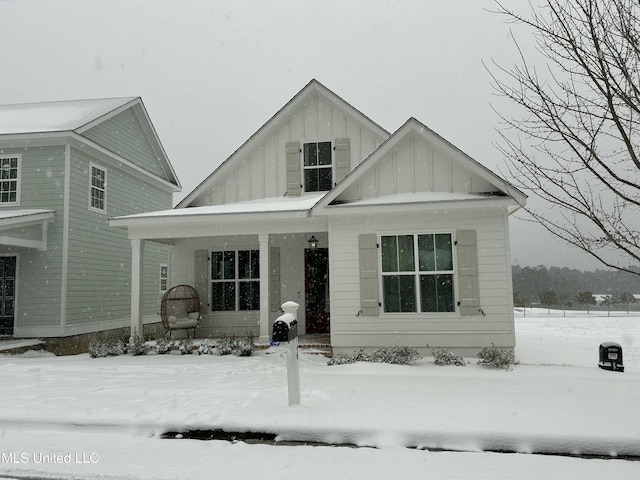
(91,207)
(303,167)
(18,178)
(414,315)
(160,277)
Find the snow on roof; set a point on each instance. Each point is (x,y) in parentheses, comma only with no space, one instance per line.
(13,214)
(419,197)
(263,205)
(55,116)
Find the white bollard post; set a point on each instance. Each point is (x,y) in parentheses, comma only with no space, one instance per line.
(293,365)
(293,372)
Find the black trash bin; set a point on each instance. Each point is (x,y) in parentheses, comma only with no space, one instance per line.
(611,357)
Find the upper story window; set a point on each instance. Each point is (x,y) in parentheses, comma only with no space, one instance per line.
(317,167)
(98,189)
(9,179)
(417,273)
(235,280)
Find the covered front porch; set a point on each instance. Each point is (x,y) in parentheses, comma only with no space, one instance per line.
(244,266)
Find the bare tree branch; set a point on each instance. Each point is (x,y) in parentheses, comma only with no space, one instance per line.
(576,141)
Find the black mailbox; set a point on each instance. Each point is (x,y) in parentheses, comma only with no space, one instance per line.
(285,328)
(611,357)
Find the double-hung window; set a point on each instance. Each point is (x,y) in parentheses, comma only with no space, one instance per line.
(9,178)
(318,167)
(98,189)
(235,280)
(164,277)
(417,273)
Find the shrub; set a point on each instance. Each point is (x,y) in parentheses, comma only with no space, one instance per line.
(110,346)
(225,345)
(138,346)
(231,345)
(244,346)
(395,355)
(163,346)
(184,345)
(493,357)
(347,358)
(445,357)
(206,348)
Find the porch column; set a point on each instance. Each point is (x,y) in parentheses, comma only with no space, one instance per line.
(264,287)
(137,289)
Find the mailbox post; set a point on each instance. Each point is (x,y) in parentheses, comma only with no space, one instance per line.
(285,329)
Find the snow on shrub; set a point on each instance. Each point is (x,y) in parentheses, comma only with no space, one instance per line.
(108,347)
(493,357)
(163,346)
(138,346)
(444,356)
(396,355)
(206,348)
(242,347)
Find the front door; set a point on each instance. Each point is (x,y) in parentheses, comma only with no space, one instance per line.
(7,294)
(317,290)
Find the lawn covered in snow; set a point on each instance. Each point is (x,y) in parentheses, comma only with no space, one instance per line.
(102,418)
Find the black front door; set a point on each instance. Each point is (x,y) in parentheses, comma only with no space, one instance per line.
(317,291)
(7,294)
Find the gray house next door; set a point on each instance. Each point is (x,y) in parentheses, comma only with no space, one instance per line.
(7,294)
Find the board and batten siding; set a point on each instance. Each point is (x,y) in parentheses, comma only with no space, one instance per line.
(99,262)
(123,135)
(417,166)
(350,329)
(259,169)
(41,187)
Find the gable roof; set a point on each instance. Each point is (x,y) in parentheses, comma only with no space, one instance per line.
(414,126)
(77,117)
(56,116)
(313,87)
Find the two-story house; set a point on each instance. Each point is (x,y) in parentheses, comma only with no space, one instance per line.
(65,169)
(381,238)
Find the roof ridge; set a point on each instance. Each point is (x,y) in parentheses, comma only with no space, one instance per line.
(50,102)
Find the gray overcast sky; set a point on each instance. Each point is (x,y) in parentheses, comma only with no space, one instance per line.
(212,72)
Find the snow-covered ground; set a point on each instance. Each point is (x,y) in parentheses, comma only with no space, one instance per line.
(77,417)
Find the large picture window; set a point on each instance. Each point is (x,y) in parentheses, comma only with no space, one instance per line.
(235,280)
(9,178)
(417,273)
(317,167)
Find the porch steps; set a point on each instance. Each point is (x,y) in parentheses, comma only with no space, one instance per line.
(13,346)
(320,344)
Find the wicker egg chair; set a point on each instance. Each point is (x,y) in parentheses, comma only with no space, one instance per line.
(180,309)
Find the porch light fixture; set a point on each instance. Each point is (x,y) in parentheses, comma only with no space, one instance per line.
(313,243)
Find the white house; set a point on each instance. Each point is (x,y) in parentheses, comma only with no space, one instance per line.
(412,234)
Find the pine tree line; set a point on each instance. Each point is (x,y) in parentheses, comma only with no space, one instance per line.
(564,286)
